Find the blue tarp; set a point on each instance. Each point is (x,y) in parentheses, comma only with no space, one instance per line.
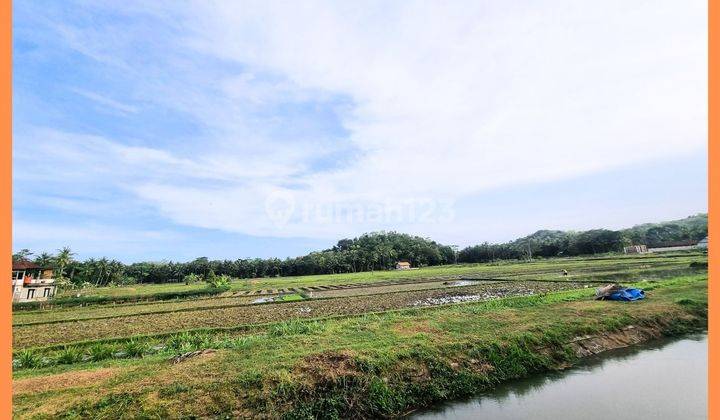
(627,295)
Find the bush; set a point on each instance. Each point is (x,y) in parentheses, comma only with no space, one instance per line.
(98,352)
(186,341)
(134,348)
(191,278)
(217,282)
(68,356)
(699,265)
(28,359)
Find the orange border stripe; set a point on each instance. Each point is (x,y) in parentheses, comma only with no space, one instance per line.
(713,205)
(6,205)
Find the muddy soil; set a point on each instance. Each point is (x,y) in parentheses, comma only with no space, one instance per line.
(396,288)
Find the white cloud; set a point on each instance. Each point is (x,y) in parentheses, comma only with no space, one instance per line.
(95,239)
(448,99)
(107,102)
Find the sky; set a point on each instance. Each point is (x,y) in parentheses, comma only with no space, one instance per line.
(173,130)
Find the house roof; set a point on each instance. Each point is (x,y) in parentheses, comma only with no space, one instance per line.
(24,265)
(404,262)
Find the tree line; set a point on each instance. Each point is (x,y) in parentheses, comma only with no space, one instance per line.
(368,252)
(555,243)
(372,251)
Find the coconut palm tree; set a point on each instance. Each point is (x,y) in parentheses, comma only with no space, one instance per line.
(44,260)
(88,270)
(22,255)
(103,266)
(63,258)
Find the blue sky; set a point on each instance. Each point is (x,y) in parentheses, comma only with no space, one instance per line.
(233,129)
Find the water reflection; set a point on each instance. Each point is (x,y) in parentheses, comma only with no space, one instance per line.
(664,379)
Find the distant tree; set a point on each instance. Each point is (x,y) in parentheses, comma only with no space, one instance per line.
(22,255)
(216,281)
(63,258)
(44,260)
(191,278)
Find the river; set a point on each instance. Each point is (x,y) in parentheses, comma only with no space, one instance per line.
(663,379)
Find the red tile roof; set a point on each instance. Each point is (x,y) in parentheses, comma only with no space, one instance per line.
(24,265)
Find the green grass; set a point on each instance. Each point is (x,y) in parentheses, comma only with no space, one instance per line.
(228,317)
(505,268)
(293,297)
(81,300)
(96,302)
(370,365)
(36,328)
(294,327)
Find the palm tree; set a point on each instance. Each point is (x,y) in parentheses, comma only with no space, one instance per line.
(44,260)
(103,265)
(88,270)
(22,255)
(115,271)
(63,259)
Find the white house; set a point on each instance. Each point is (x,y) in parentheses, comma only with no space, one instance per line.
(31,282)
(635,249)
(402,265)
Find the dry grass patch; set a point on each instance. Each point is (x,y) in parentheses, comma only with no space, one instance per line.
(328,365)
(62,380)
(411,328)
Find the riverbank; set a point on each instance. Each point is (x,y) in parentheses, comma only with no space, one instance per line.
(379,364)
(591,390)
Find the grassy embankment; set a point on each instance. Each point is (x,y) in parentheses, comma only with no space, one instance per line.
(379,364)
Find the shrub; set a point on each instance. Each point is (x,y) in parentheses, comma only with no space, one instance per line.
(98,352)
(134,348)
(217,282)
(68,356)
(178,341)
(186,341)
(699,265)
(28,359)
(191,278)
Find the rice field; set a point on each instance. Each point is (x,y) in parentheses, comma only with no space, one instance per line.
(244,344)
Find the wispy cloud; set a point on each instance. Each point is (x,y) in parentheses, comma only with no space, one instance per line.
(107,102)
(339,104)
